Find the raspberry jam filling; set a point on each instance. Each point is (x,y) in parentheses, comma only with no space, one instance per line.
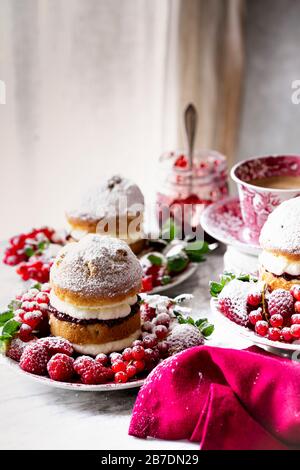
(109,323)
(285,276)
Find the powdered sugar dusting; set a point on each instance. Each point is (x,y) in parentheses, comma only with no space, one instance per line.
(103,199)
(281,231)
(97,266)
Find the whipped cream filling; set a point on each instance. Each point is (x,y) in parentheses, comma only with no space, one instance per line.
(109,312)
(111,346)
(279,264)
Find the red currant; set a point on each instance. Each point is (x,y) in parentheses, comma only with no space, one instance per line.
(276,320)
(139,365)
(137,342)
(149,341)
(162,319)
(261,328)
(286,334)
(127,354)
(295,331)
(255,316)
(138,352)
(160,331)
(25,333)
(118,366)
(131,370)
(115,357)
(254,299)
(163,348)
(274,334)
(121,377)
(295,319)
(295,291)
(148,326)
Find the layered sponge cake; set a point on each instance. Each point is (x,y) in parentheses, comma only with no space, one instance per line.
(114,207)
(93,299)
(280,241)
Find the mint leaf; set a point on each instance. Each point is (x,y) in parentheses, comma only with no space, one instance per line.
(206,329)
(37,286)
(29,251)
(195,250)
(11,327)
(155,260)
(217,287)
(5,316)
(5,337)
(200,321)
(43,245)
(177,263)
(166,280)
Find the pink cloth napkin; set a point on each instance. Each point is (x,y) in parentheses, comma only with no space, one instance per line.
(223,399)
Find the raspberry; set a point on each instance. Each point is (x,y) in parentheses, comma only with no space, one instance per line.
(34,359)
(295,319)
(255,316)
(42,298)
(233,302)
(261,328)
(95,374)
(281,301)
(25,333)
(274,334)
(55,345)
(138,352)
(276,320)
(295,331)
(102,359)
(118,366)
(254,299)
(19,314)
(82,363)
(147,283)
(16,349)
(286,334)
(295,291)
(121,377)
(60,367)
(33,319)
(160,331)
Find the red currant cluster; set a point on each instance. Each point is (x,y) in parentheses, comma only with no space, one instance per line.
(280,319)
(154,276)
(26,251)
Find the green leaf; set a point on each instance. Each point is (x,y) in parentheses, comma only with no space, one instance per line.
(5,316)
(155,260)
(14,304)
(43,245)
(5,337)
(200,321)
(166,280)
(169,230)
(37,286)
(177,263)
(206,329)
(11,327)
(29,251)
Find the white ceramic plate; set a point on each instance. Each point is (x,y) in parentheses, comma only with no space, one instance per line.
(176,280)
(277,347)
(77,387)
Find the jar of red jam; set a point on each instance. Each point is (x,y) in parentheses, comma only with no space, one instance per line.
(183,191)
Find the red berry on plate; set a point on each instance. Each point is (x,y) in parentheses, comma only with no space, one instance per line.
(118,366)
(16,349)
(295,291)
(254,299)
(255,316)
(121,377)
(42,298)
(261,328)
(138,352)
(281,301)
(297,306)
(137,342)
(162,319)
(115,357)
(295,331)
(55,345)
(33,319)
(60,367)
(102,359)
(147,283)
(46,287)
(95,374)
(25,333)
(276,320)
(286,334)
(19,314)
(149,341)
(34,359)
(127,354)
(160,331)
(139,365)
(163,348)
(295,319)
(233,302)
(82,363)
(131,370)
(274,334)
(147,326)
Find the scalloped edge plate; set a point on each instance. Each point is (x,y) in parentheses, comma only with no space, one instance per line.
(77,387)
(179,279)
(250,335)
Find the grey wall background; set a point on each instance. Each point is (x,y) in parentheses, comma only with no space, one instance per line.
(270,122)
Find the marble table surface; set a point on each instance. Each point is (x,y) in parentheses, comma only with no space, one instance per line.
(35,416)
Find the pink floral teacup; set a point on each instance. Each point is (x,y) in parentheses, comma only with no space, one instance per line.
(257,202)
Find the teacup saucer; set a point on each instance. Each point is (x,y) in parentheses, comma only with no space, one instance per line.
(223,221)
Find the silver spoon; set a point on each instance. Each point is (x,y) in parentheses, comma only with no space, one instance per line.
(190,122)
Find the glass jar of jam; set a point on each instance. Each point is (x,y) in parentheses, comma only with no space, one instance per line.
(184,192)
